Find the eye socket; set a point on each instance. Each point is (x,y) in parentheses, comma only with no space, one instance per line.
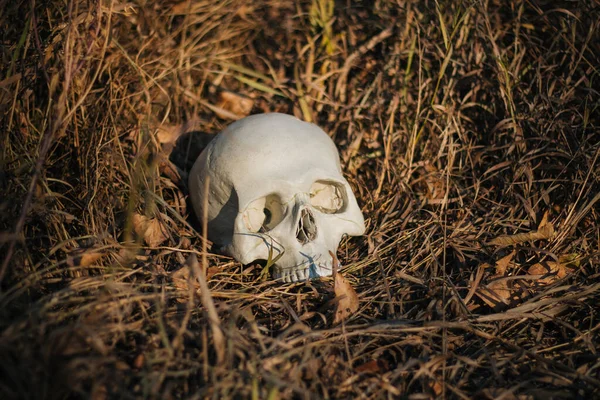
(273,211)
(328,197)
(263,214)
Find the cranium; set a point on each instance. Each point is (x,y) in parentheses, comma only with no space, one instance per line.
(275,192)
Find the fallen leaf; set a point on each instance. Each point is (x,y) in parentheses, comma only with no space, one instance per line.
(552,271)
(211,271)
(5,95)
(545,231)
(437,388)
(503,263)
(498,291)
(495,293)
(170,133)
(345,295)
(99,391)
(378,366)
(546,228)
(310,369)
(151,230)
(183,7)
(167,136)
(435,184)
(125,256)
(170,170)
(83,258)
(139,360)
(181,279)
(233,103)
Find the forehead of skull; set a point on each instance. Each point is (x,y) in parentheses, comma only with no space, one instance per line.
(268,149)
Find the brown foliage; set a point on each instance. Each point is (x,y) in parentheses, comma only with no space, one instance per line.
(468,130)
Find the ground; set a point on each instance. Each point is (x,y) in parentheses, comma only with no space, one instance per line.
(469,132)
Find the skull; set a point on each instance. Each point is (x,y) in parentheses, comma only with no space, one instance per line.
(275,192)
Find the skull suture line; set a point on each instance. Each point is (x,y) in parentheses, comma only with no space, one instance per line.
(276,190)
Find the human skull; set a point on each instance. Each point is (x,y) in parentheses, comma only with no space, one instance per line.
(275,192)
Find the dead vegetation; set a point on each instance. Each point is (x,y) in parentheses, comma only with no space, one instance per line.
(469,130)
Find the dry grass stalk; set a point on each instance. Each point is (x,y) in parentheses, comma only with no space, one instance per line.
(207,301)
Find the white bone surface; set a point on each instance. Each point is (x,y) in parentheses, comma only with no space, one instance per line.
(276,190)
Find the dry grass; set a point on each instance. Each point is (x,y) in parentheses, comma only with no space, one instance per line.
(460,125)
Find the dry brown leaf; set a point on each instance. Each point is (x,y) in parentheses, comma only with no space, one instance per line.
(495,293)
(211,271)
(83,259)
(545,231)
(170,170)
(126,256)
(151,230)
(498,290)
(345,295)
(503,263)
(181,279)
(347,299)
(183,7)
(378,366)
(170,133)
(551,271)
(5,95)
(546,228)
(435,182)
(139,360)
(437,388)
(430,182)
(234,103)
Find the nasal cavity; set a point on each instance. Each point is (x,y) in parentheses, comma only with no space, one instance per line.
(307,228)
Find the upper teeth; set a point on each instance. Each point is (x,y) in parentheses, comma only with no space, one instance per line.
(300,273)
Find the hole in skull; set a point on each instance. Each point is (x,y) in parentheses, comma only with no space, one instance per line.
(307,228)
(268,216)
(328,197)
(263,214)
